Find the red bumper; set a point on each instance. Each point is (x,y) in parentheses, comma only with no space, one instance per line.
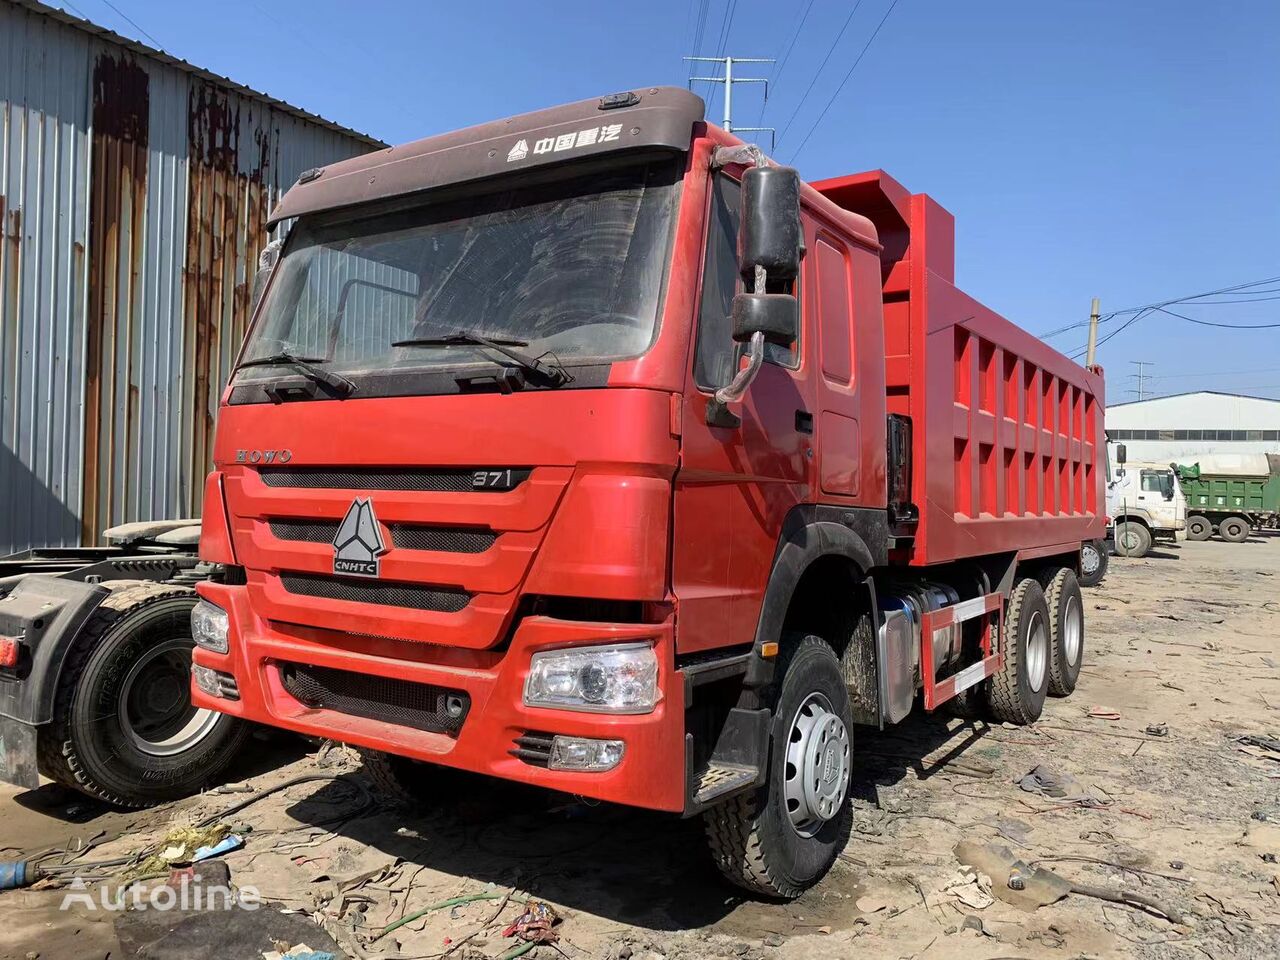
(652,771)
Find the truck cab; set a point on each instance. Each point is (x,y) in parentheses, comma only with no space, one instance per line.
(590,449)
(1146,504)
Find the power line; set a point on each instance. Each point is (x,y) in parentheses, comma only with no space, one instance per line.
(861,54)
(1213,373)
(836,42)
(1229,326)
(776,73)
(699,32)
(136,25)
(1166,303)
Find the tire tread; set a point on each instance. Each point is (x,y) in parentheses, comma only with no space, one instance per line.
(56,754)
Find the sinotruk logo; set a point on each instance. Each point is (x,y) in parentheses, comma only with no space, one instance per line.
(358,545)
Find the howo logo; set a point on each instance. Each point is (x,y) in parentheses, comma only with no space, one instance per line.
(264,456)
(358,545)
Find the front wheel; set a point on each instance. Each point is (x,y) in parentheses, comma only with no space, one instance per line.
(1199,528)
(1093,562)
(1132,539)
(124,728)
(782,838)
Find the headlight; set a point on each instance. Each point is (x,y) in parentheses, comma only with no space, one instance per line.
(209,626)
(614,679)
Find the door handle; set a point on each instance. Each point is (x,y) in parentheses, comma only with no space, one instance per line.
(804,421)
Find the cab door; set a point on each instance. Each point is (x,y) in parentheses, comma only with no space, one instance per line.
(734,486)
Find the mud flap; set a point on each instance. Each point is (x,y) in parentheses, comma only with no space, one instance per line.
(18,753)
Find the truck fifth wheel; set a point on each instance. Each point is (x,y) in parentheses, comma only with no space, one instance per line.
(590,449)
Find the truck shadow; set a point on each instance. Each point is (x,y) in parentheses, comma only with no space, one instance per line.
(623,864)
(53,803)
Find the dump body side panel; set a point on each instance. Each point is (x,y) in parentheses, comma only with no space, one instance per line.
(1007,432)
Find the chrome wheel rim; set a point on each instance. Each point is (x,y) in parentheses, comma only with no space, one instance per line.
(1072,631)
(155,709)
(1037,651)
(816,778)
(1089,558)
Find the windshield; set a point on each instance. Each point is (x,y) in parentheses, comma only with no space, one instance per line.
(572,269)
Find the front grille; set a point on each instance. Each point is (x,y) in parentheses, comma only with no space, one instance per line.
(436,599)
(408,536)
(533,748)
(474,480)
(422,706)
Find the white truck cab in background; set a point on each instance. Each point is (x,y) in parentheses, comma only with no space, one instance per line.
(1145,503)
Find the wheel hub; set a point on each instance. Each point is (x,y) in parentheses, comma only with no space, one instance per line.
(1073,631)
(817,771)
(1089,559)
(1037,651)
(155,709)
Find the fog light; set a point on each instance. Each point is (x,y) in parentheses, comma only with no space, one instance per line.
(215,683)
(209,626)
(580,753)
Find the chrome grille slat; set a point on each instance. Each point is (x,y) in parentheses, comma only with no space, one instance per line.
(407,536)
(414,596)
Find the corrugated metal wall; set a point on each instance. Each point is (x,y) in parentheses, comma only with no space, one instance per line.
(133,204)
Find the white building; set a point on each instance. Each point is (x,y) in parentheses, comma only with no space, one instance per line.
(1186,426)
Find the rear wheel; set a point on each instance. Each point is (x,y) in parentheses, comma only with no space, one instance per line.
(1016,694)
(782,838)
(1199,528)
(1066,631)
(1094,557)
(1234,530)
(1132,539)
(124,728)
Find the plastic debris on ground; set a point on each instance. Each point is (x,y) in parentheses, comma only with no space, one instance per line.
(299,951)
(1055,785)
(535,924)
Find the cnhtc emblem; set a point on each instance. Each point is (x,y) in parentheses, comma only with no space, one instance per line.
(358,545)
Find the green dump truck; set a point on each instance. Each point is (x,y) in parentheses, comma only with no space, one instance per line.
(1231,494)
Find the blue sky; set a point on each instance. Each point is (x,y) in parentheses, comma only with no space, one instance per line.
(1125,149)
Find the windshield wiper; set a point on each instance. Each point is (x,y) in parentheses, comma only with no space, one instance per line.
(553,371)
(306,365)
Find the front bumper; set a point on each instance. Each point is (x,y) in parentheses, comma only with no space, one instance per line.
(651,773)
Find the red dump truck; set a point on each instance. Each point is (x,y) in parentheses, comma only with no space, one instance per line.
(587,448)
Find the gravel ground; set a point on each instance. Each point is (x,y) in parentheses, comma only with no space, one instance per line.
(1186,638)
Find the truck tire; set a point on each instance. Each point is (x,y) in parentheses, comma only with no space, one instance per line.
(781,839)
(1132,539)
(124,730)
(1199,528)
(1234,530)
(1016,694)
(1066,631)
(1094,557)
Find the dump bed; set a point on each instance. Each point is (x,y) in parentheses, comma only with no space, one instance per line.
(1007,432)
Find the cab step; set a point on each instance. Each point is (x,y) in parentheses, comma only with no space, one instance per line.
(719,780)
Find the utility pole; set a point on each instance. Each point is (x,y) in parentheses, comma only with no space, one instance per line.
(729,80)
(1141,376)
(1091,354)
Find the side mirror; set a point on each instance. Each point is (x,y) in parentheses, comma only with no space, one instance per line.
(770,235)
(776,315)
(1121,454)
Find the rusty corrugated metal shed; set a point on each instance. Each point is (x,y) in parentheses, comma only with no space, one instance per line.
(134,193)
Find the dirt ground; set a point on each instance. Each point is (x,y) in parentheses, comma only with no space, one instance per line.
(1187,639)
